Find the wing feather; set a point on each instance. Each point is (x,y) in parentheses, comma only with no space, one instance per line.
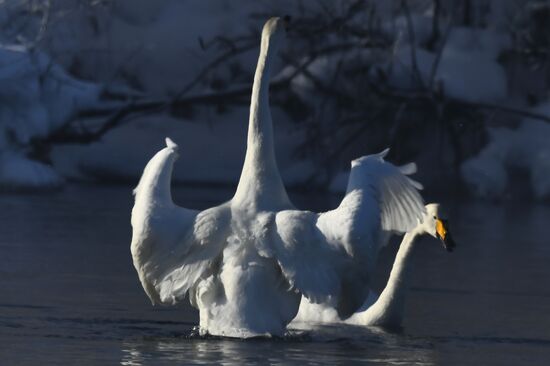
(172,247)
(329,256)
(194,257)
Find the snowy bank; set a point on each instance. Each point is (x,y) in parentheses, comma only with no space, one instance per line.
(526,148)
(467,70)
(155,49)
(20,173)
(36,97)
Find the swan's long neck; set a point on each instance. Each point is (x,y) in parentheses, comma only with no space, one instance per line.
(260,185)
(388,308)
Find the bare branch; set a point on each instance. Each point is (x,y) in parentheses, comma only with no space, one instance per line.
(426,95)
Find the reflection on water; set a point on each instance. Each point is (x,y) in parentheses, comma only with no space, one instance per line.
(69,293)
(329,346)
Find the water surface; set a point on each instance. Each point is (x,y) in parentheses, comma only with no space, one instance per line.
(69,293)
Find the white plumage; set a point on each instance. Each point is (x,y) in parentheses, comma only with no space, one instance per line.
(386,309)
(246,263)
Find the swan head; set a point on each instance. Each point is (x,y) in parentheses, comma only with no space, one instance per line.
(435,223)
(274,31)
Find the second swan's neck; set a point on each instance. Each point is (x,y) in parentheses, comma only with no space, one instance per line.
(260,185)
(394,293)
(388,308)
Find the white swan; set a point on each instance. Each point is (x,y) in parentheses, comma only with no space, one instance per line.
(246,263)
(387,309)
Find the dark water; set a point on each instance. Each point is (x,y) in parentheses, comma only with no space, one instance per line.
(69,294)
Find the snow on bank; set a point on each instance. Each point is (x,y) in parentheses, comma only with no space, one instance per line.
(526,148)
(36,97)
(157,47)
(154,47)
(468,69)
(20,173)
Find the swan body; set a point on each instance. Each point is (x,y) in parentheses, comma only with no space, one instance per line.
(246,263)
(385,310)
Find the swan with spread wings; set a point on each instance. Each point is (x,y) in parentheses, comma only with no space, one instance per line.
(245,264)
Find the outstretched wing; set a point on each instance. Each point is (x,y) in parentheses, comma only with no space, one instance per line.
(172,247)
(329,256)
(380,198)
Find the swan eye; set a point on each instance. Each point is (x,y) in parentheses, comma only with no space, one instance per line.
(435,218)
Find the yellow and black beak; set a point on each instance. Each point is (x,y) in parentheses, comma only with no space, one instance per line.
(442,232)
